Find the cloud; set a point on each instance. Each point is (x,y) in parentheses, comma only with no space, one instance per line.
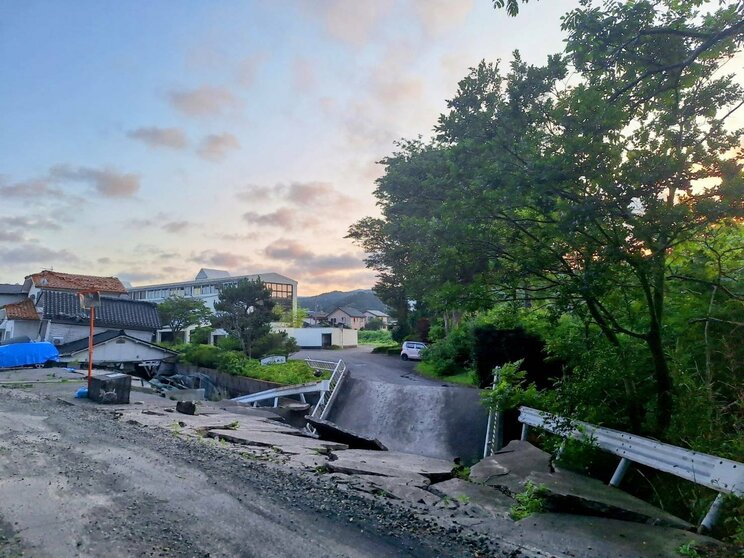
(351,22)
(38,222)
(306,261)
(175,226)
(108,182)
(35,254)
(220,259)
(438,16)
(254,192)
(35,188)
(203,101)
(283,217)
(104,261)
(215,147)
(11,236)
(314,194)
(174,138)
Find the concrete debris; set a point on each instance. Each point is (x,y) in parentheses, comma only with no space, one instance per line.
(567,492)
(391,464)
(493,502)
(186,407)
(330,431)
(510,466)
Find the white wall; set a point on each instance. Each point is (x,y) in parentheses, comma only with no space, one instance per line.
(312,337)
(128,351)
(18,328)
(73,332)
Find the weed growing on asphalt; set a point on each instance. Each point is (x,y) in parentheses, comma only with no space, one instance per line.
(688,550)
(461,472)
(530,500)
(234,425)
(463,499)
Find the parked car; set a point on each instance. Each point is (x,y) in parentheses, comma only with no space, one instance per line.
(411,350)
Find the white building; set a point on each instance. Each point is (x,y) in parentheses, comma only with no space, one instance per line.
(206,287)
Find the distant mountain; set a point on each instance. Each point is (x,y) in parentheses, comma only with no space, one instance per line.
(361,299)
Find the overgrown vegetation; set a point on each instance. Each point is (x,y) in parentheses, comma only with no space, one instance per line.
(530,500)
(236,363)
(377,338)
(592,227)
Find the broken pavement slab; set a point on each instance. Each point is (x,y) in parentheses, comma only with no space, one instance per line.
(510,466)
(570,493)
(331,431)
(494,502)
(391,464)
(580,536)
(286,443)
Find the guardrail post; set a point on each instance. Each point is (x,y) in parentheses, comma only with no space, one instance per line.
(525,432)
(619,473)
(711,518)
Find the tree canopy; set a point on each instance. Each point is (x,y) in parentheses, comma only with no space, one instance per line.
(572,184)
(179,313)
(245,311)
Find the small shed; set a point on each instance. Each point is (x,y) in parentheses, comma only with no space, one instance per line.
(117,349)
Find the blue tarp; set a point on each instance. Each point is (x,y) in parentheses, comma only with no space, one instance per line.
(27,354)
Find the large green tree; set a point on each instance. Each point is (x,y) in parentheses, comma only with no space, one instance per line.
(179,313)
(245,311)
(576,195)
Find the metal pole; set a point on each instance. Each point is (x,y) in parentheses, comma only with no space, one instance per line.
(525,432)
(711,518)
(498,423)
(622,468)
(90,343)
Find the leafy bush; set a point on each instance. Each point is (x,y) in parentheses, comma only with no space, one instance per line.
(453,354)
(374,324)
(200,335)
(202,355)
(275,344)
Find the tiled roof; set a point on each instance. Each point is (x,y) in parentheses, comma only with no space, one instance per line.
(98,338)
(378,314)
(68,281)
(119,313)
(8,289)
(353,312)
(24,310)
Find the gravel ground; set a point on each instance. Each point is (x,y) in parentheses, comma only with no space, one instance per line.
(79,482)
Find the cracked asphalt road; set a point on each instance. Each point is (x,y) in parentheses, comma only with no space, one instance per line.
(79,482)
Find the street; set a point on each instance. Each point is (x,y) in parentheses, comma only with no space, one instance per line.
(78,482)
(374,367)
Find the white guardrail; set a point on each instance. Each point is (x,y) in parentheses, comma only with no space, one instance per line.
(723,475)
(327,398)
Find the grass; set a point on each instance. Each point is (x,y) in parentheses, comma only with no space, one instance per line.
(465,378)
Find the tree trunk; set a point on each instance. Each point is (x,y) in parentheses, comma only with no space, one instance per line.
(663,382)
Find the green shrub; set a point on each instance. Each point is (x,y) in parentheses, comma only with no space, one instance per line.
(275,344)
(201,355)
(451,355)
(200,335)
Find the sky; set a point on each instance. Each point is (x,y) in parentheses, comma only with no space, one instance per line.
(148,139)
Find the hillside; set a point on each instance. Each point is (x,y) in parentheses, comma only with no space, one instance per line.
(361,299)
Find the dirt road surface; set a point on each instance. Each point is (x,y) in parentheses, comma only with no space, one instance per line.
(79,482)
